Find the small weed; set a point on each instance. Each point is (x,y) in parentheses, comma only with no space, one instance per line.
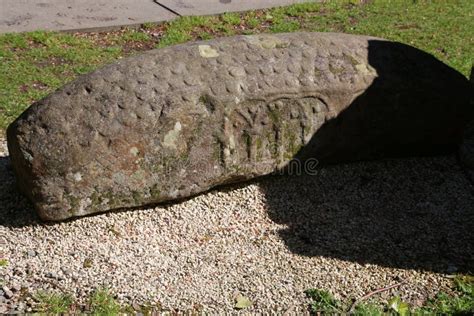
(323,301)
(445,304)
(285,27)
(148,25)
(83,69)
(3,262)
(465,284)
(448,305)
(398,307)
(252,20)
(53,303)
(103,303)
(205,36)
(14,40)
(231,18)
(41,37)
(135,36)
(300,9)
(367,309)
(247,32)
(462,303)
(174,36)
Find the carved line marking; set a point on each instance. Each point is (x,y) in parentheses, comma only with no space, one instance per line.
(273,130)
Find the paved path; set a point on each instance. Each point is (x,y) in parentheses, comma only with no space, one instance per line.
(64,15)
(206,7)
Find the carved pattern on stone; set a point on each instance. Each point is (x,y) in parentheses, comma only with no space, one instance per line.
(258,131)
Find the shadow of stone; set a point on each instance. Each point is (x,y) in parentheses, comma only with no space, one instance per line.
(411,213)
(15,209)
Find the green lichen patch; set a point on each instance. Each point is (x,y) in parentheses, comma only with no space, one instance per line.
(335,70)
(207,51)
(350,59)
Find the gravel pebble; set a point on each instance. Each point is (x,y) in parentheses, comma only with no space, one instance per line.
(351,229)
(7,292)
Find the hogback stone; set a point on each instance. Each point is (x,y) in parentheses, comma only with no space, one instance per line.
(174,122)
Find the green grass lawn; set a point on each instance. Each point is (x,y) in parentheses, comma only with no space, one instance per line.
(34,64)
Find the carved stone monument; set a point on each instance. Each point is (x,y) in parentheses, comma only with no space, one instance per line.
(174,122)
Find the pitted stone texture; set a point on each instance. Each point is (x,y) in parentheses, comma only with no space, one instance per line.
(177,121)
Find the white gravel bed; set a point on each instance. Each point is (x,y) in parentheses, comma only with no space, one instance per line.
(350,229)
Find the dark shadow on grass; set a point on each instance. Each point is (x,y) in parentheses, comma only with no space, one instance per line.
(413,213)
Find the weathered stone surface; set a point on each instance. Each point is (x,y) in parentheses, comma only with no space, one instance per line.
(177,121)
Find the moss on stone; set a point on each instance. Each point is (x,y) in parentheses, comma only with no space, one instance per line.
(317,72)
(336,70)
(95,199)
(275,116)
(282,45)
(354,62)
(155,191)
(137,196)
(259,148)
(74,203)
(292,145)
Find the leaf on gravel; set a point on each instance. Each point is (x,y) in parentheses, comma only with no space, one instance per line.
(114,231)
(242,302)
(465,283)
(399,306)
(87,263)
